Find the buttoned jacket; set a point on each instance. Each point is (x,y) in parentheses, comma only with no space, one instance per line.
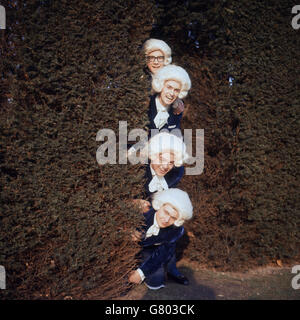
(161,247)
(173,121)
(172,177)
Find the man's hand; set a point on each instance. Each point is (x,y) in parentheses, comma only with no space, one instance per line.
(131,151)
(178,106)
(136,235)
(143,205)
(135,277)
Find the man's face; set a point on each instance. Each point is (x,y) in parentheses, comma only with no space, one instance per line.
(155,61)
(163,163)
(170,92)
(166,215)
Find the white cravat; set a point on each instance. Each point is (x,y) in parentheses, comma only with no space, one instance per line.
(157,183)
(154,229)
(162,114)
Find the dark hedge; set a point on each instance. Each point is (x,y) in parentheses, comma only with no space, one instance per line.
(247,199)
(71,68)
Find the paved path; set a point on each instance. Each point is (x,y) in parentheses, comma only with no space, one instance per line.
(269,283)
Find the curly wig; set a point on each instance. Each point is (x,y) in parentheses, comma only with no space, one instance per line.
(155,44)
(172,72)
(164,142)
(179,199)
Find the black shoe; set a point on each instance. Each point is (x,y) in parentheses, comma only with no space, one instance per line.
(179,279)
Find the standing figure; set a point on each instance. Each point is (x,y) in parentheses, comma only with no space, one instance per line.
(170,209)
(169,83)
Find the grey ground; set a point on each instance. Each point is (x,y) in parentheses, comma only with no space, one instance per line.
(268,283)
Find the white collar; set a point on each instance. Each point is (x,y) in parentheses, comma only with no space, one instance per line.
(159,105)
(162,115)
(154,229)
(152,171)
(157,183)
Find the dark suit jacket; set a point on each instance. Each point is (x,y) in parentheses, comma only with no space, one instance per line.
(161,247)
(173,120)
(172,177)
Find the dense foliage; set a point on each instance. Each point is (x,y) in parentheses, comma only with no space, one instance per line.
(243,61)
(71,68)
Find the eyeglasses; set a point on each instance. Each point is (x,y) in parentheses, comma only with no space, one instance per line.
(152,58)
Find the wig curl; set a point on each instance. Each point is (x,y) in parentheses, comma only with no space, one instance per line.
(156,44)
(172,72)
(179,199)
(165,142)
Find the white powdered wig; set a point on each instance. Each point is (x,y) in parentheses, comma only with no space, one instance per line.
(155,44)
(165,142)
(179,199)
(172,72)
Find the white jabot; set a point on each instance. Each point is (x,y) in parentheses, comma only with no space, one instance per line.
(154,229)
(157,183)
(162,114)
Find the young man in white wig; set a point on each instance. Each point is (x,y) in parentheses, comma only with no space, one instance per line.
(170,209)
(158,54)
(167,155)
(169,83)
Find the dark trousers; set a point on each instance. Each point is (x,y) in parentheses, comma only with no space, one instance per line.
(157,278)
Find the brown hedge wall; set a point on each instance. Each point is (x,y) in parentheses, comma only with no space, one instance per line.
(71,69)
(246,200)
